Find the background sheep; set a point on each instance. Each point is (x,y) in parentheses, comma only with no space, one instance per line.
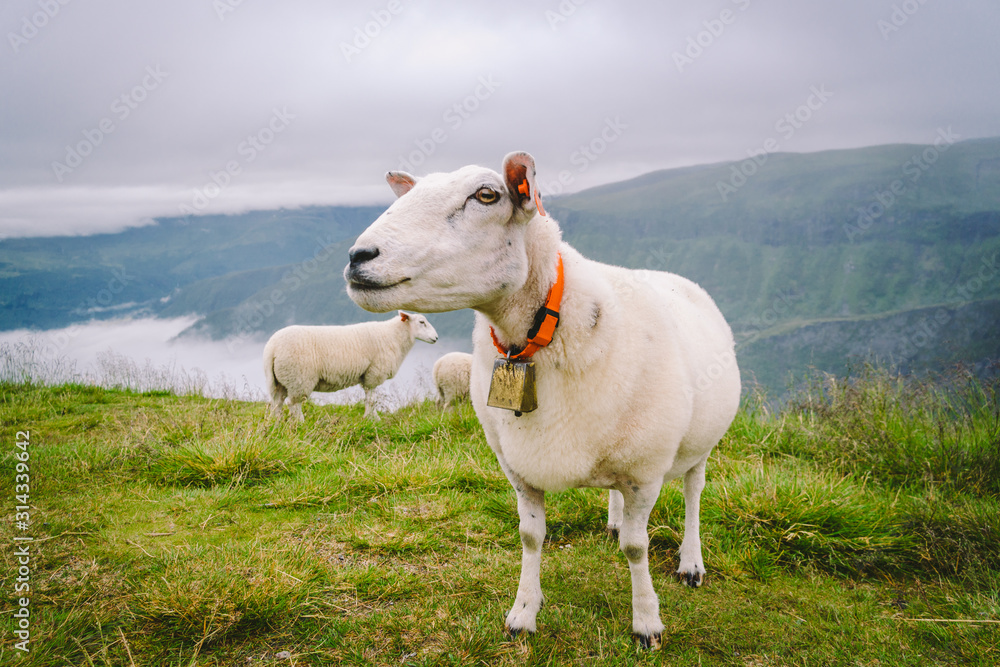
(299,360)
(636,387)
(451,377)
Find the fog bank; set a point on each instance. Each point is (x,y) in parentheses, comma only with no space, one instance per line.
(145,354)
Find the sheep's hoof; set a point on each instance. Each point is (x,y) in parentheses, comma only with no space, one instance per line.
(514,633)
(613,532)
(651,642)
(691,579)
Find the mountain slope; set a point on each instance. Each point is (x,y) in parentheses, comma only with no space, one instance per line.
(794,234)
(912,341)
(813,258)
(53,282)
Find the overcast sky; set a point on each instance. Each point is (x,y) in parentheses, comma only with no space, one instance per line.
(115,111)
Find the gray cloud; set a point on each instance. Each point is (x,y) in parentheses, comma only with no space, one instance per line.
(170,100)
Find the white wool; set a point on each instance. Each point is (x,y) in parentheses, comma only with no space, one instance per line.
(299,360)
(637,386)
(451,377)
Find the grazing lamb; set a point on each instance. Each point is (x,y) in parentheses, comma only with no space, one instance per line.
(637,385)
(451,377)
(299,360)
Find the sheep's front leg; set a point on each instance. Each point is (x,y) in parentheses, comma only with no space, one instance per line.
(531,511)
(370,408)
(692,568)
(633,540)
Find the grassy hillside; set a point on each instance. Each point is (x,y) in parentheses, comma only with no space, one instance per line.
(858,527)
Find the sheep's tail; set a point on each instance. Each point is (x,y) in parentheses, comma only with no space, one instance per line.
(275,389)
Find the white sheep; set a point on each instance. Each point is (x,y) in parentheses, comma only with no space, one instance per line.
(451,377)
(299,360)
(637,386)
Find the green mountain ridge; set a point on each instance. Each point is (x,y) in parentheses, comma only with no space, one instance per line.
(821,256)
(51,282)
(916,340)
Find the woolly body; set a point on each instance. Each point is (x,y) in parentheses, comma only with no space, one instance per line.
(616,386)
(451,376)
(299,360)
(637,386)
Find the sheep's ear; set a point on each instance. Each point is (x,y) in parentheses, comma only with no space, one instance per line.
(400,182)
(519,173)
(403,316)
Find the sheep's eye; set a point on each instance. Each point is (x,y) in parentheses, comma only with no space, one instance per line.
(487,195)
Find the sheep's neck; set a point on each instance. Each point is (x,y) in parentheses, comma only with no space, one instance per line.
(513,315)
(544,323)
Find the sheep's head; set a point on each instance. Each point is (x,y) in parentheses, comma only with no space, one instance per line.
(449,241)
(419,327)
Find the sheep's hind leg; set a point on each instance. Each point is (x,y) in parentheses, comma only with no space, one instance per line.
(616,505)
(295,408)
(278,395)
(692,568)
(647,628)
(531,511)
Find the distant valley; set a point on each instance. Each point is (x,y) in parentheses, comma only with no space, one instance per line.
(818,260)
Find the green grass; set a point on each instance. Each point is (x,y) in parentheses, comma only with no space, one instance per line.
(178,530)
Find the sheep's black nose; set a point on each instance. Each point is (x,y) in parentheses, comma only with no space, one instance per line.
(362,255)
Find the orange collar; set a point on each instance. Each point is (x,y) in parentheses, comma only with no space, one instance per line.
(546,320)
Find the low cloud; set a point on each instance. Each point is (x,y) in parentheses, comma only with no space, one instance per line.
(140,128)
(146,354)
